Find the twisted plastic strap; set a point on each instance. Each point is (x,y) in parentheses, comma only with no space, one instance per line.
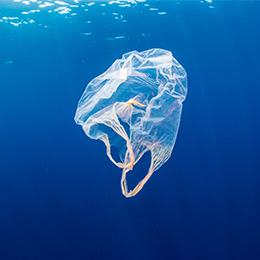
(139,186)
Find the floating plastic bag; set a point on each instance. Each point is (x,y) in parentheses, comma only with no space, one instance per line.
(136,106)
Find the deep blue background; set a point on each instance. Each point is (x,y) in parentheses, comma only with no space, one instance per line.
(60,195)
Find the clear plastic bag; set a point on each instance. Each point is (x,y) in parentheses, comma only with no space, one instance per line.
(136,106)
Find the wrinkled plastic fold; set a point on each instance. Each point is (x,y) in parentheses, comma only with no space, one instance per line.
(136,106)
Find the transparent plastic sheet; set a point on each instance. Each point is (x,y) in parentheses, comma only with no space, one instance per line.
(136,106)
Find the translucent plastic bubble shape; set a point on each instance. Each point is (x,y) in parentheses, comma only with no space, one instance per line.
(136,106)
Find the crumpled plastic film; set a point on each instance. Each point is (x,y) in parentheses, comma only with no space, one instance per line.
(136,106)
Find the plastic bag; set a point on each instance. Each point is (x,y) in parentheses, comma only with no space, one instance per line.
(136,106)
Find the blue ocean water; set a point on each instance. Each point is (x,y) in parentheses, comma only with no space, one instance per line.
(60,195)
